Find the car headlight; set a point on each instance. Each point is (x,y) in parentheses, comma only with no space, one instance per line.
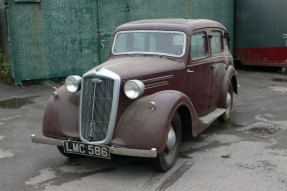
(73,83)
(134,89)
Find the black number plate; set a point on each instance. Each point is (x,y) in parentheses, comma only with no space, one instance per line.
(87,149)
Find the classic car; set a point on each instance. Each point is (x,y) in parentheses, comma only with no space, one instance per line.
(166,81)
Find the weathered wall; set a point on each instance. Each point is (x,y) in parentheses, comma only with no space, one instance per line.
(5,38)
(56,38)
(1,25)
(261,32)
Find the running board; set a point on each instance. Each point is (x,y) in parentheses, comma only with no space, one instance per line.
(208,119)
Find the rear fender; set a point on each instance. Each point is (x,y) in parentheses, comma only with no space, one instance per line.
(230,77)
(141,128)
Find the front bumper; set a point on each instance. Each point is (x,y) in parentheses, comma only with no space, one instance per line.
(113,149)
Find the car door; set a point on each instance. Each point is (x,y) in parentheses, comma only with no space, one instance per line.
(219,66)
(199,73)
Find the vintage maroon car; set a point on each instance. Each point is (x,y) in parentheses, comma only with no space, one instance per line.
(166,80)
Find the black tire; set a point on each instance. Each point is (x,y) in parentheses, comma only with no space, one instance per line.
(69,155)
(229,104)
(167,158)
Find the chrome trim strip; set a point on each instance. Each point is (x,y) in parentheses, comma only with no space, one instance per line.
(104,73)
(156,85)
(113,149)
(158,79)
(47,141)
(134,152)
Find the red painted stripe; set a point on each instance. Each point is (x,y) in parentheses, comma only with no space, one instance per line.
(274,56)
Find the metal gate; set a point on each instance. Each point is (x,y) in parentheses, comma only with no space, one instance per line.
(57,38)
(53,38)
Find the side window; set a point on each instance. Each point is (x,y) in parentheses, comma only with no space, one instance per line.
(216,47)
(226,48)
(198,45)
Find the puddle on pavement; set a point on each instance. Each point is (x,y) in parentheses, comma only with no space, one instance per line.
(16,103)
(260,129)
(279,80)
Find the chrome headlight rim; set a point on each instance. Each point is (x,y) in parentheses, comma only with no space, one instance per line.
(133,89)
(73,83)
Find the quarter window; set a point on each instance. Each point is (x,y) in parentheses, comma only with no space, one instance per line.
(198,45)
(216,47)
(226,46)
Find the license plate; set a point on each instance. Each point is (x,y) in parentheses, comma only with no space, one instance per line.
(87,149)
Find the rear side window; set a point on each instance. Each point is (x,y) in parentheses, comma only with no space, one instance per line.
(216,47)
(226,47)
(198,45)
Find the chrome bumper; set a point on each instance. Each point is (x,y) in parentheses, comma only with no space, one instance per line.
(114,149)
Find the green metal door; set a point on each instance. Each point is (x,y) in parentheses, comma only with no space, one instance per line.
(111,13)
(70,36)
(52,38)
(57,38)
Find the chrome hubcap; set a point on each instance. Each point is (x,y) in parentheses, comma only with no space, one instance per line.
(228,103)
(171,139)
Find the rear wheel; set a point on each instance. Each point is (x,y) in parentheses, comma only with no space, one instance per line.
(167,158)
(229,104)
(69,155)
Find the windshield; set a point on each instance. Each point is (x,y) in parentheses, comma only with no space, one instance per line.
(168,43)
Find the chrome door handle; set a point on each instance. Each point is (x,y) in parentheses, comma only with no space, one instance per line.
(190,71)
(212,66)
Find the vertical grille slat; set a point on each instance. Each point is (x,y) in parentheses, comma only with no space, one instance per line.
(97,99)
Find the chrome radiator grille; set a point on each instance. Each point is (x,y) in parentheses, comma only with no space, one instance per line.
(96,106)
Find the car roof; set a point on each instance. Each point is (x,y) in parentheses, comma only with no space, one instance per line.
(184,25)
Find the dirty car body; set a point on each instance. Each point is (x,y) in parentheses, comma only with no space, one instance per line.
(166,80)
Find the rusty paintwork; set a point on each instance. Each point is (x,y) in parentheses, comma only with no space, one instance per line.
(136,126)
(129,131)
(61,116)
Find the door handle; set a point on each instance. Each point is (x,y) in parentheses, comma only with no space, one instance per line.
(189,71)
(103,42)
(212,66)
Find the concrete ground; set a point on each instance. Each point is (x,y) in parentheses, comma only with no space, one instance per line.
(227,156)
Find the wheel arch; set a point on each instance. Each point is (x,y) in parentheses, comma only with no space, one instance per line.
(141,128)
(229,78)
(234,84)
(186,122)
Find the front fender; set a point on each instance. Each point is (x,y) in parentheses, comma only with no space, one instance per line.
(61,115)
(141,128)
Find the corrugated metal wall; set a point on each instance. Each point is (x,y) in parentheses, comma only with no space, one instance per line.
(56,38)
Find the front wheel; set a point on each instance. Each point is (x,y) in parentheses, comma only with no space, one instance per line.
(229,104)
(167,158)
